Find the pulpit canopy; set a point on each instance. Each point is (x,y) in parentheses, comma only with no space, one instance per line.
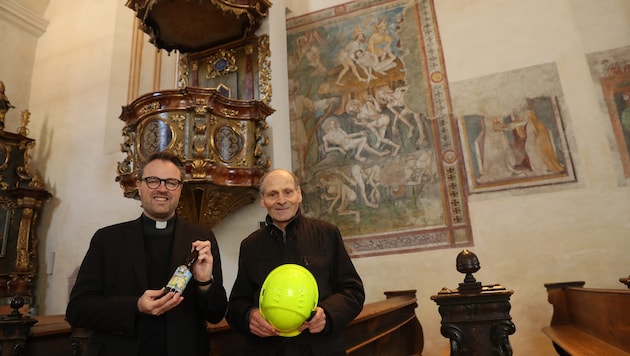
(189,26)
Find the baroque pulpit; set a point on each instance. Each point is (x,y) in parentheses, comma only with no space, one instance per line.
(220,141)
(215,120)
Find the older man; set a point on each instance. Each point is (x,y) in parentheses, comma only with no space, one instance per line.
(290,237)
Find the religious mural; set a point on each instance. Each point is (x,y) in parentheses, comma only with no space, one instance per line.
(514,128)
(610,71)
(373,139)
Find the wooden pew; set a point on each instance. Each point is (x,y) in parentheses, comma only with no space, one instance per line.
(50,336)
(588,321)
(387,327)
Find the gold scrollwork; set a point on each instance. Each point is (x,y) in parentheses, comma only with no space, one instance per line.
(238,9)
(3,185)
(179,149)
(261,141)
(214,198)
(24,172)
(149,108)
(201,110)
(26,116)
(200,106)
(23,260)
(228,112)
(183,71)
(180,120)
(5,154)
(221,63)
(126,147)
(198,169)
(264,67)
(199,139)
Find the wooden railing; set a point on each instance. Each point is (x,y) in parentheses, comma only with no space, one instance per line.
(387,327)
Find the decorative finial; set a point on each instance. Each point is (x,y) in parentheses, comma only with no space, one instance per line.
(26,116)
(468,263)
(16,303)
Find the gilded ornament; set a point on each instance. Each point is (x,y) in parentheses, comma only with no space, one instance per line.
(221,63)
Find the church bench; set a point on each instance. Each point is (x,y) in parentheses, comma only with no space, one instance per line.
(588,321)
(386,327)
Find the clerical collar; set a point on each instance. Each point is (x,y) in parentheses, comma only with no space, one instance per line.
(157,224)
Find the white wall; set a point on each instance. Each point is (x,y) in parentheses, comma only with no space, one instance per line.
(79,83)
(19,30)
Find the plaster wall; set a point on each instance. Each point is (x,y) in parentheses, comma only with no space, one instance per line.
(78,81)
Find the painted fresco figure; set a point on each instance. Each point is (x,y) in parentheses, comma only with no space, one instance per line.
(346,57)
(336,139)
(370,115)
(339,194)
(395,102)
(539,147)
(380,43)
(301,109)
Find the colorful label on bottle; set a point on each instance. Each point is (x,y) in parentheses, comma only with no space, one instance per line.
(179,280)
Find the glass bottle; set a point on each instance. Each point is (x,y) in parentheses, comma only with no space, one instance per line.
(182,275)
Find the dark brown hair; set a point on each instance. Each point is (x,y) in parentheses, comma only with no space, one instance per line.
(164,156)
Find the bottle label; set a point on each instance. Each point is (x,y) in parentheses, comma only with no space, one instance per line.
(179,280)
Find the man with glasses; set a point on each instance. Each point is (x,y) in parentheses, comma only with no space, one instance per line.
(119,291)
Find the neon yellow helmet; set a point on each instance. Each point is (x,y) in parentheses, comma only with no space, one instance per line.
(288,297)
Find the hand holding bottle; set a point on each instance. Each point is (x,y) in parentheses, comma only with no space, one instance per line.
(155,302)
(195,267)
(198,266)
(202,268)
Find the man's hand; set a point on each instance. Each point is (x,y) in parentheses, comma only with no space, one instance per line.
(152,302)
(202,268)
(259,326)
(316,324)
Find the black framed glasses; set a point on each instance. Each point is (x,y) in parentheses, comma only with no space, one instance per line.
(154,182)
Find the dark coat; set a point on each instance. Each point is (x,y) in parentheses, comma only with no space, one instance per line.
(113,276)
(316,245)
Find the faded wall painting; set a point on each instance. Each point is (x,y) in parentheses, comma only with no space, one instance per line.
(610,71)
(513,128)
(373,140)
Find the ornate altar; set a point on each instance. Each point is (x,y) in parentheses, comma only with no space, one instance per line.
(22,196)
(215,120)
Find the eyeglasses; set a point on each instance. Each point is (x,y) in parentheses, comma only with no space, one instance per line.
(169,183)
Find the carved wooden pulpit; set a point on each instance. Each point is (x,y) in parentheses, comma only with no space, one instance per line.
(220,141)
(215,121)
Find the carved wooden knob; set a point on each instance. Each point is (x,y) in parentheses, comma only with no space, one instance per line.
(468,263)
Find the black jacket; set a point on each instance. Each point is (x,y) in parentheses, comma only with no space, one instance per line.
(316,245)
(113,276)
